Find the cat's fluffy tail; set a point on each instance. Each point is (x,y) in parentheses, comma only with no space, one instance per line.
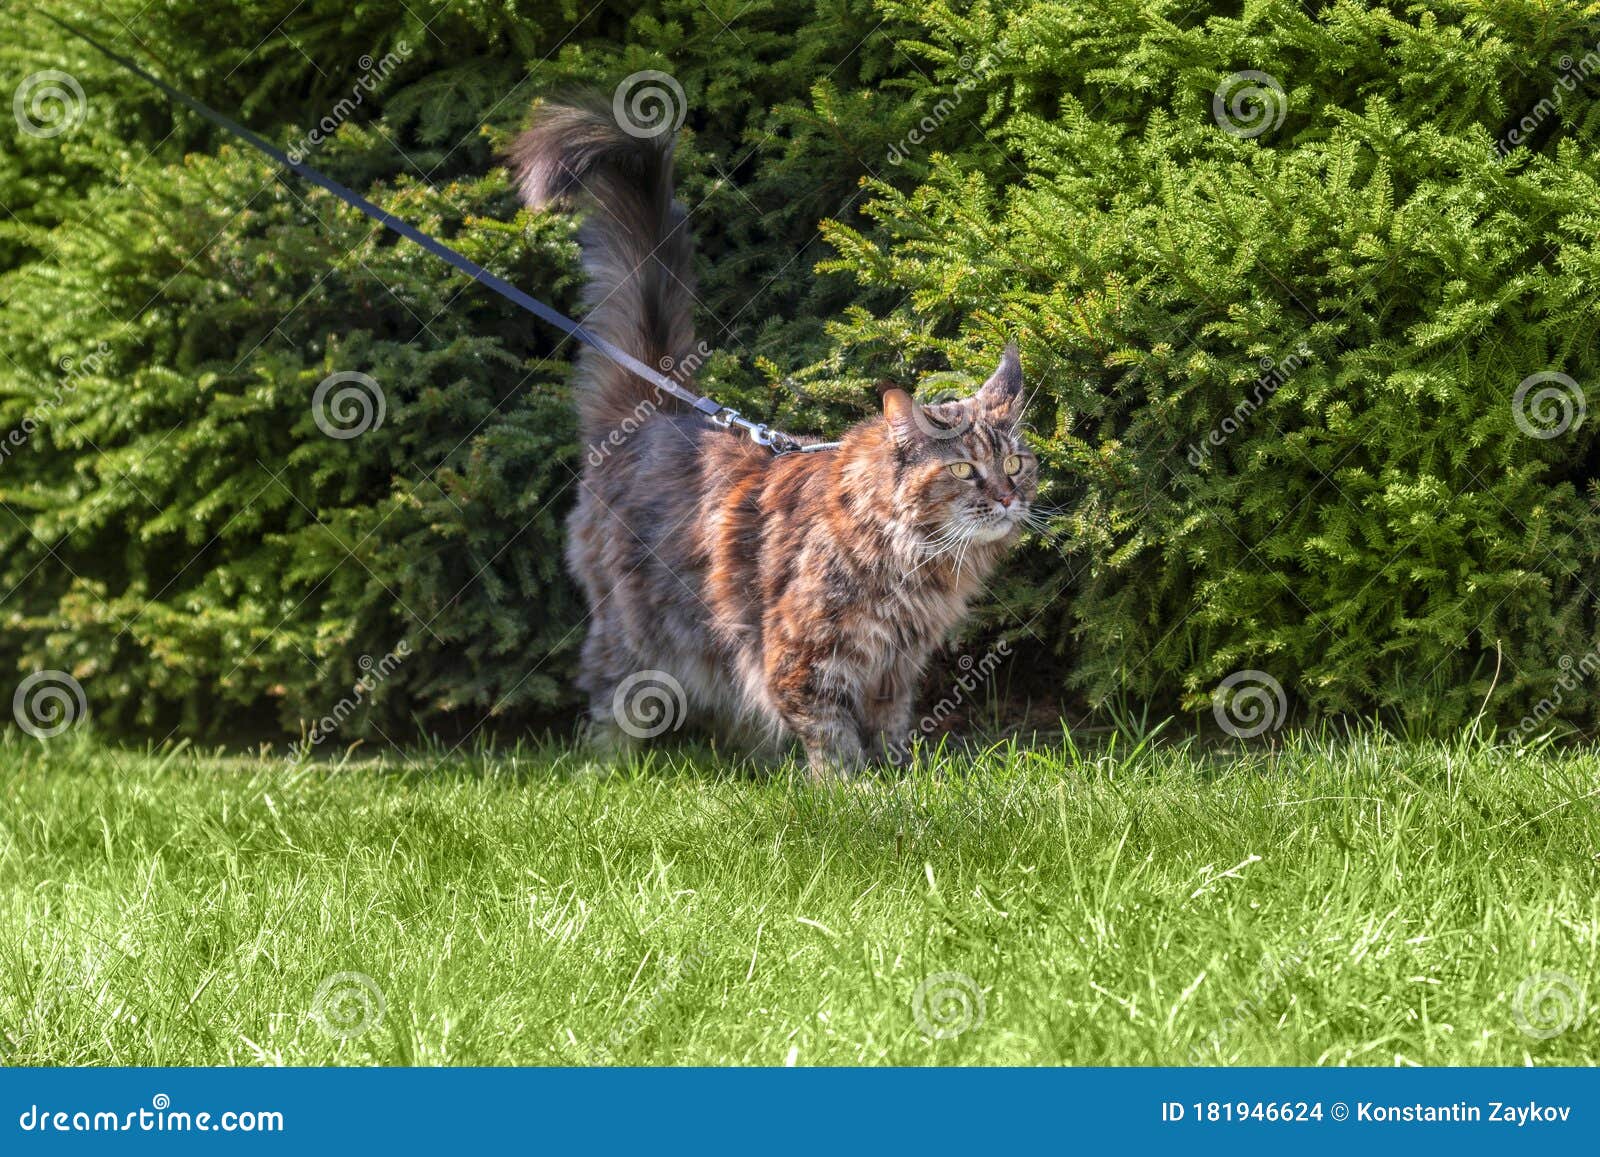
(637,251)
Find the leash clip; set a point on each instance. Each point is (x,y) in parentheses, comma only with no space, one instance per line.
(760,433)
(764,435)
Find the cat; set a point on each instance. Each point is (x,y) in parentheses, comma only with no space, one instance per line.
(800,592)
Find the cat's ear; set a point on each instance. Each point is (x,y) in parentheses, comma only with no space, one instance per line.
(999,402)
(901,411)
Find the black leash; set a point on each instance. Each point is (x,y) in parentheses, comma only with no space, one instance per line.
(775,440)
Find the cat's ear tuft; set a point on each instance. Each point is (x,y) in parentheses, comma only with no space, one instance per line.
(999,402)
(901,411)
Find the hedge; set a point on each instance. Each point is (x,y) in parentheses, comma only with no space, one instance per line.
(1293,287)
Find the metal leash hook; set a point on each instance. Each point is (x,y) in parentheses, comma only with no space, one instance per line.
(727,419)
(764,435)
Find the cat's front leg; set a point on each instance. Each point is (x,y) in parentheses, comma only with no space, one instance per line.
(814,682)
(833,747)
(886,719)
(827,728)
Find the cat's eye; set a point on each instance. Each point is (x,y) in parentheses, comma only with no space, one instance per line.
(1013,464)
(961,469)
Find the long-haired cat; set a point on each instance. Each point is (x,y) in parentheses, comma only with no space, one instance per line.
(801,591)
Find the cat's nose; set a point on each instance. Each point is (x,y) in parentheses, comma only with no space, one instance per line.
(1007,499)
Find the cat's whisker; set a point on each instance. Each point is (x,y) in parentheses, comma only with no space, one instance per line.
(950,539)
(950,536)
(966,545)
(955,538)
(962,557)
(926,561)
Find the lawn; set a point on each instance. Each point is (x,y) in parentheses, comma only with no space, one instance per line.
(1328,902)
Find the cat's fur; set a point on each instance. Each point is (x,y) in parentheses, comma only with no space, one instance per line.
(802,592)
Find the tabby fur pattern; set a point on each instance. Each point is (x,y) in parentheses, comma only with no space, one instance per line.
(798,593)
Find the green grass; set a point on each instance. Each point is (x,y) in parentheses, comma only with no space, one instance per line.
(1358,902)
